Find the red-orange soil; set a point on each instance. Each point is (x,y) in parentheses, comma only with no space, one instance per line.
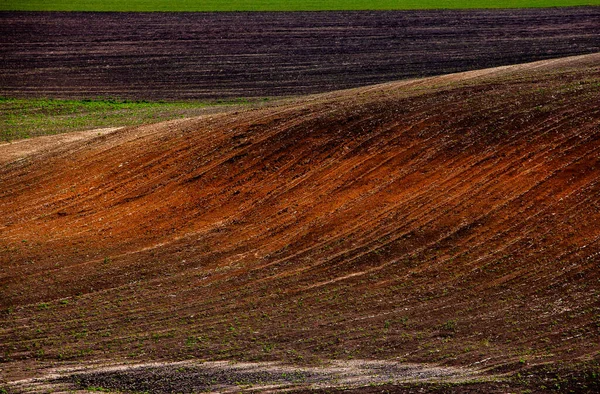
(448,220)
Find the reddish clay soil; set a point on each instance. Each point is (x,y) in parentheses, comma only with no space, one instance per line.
(450,220)
(216,55)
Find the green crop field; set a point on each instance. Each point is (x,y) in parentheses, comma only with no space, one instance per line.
(25,118)
(275,5)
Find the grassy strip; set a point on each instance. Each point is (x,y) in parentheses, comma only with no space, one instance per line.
(275,5)
(24,118)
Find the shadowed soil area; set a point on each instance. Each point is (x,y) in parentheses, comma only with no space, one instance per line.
(450,221)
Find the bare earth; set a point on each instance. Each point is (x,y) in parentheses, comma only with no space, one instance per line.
(19,150)
(225,377)
(441,229)
(216,55)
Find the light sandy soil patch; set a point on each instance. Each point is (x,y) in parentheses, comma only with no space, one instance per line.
(224,377)
(19,150)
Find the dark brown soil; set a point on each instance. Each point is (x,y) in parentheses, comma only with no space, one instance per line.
(214,55)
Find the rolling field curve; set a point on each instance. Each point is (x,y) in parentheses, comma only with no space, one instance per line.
(443,220)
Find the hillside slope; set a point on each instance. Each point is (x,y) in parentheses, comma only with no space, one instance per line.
(450,219)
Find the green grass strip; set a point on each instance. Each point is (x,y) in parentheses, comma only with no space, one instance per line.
(275,5)
(25,118)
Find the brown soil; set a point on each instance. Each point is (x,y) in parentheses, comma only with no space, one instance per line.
(216,55)
(450,220)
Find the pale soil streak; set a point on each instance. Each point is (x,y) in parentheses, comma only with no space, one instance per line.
(19,150)
(335,373)
(466,76)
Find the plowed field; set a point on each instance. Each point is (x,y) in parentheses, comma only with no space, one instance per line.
(448,220)
(216,55)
